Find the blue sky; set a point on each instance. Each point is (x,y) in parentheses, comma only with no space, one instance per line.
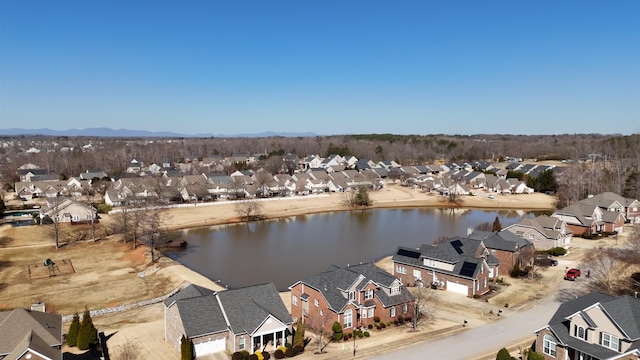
(329,67)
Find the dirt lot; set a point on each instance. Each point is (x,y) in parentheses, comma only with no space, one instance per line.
(106,272)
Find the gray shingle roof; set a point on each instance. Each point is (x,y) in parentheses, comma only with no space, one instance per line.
(203,311)
(502,240)
(16,324)
(331,282)
(623,310)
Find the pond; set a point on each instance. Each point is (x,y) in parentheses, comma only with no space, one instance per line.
(286,250)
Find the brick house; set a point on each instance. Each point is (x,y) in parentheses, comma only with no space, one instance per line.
(585,218)
(593,326)
(249,318)
(461,265)
(628,207)
(352,295)
(508,248)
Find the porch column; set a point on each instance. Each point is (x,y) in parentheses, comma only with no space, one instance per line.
(252,346)
(261,341)
(284,332)
(274,340)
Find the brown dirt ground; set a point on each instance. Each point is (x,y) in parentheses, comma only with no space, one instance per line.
(106,271)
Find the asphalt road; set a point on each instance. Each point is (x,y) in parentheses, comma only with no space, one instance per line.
(479,341)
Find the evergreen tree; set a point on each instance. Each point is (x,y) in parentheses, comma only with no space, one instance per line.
(87,334)
(186,348)
(298,337)
(496,226)
(362,197)
(72,335)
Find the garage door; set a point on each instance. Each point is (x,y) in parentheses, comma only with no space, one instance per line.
(213,346)
(458,288)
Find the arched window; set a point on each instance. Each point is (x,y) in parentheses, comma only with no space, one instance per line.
(348,319)
(549,345)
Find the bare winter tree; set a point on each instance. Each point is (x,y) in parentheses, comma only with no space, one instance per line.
(152,225)
(262,179)
(54,210)
(319,326)
(127,351)
(249,209)
(603,269)
(424,308)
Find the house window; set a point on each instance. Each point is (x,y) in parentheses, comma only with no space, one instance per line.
(393,312)
(549,345)
(241,343)
(370,312)
(401,269)
(416,274)
(530,236)
(316,302)
(431,262)
(363,313)
(352,295)
(395,290)
(294,300)
(610,341)
(321,312)
(368,295)
(485,283)
(88,217)
(76,218)
(405,308)
(348,319)
(580,332)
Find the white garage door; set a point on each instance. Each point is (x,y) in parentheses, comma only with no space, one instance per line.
(209,347)
(458,288)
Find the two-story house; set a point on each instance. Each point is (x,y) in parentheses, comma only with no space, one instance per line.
(591,327)
(508,248)
(543,231)
(352,295)
(461,265)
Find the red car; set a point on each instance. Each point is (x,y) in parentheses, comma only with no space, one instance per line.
(572,274)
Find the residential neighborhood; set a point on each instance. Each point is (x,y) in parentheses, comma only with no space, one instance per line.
(476,266)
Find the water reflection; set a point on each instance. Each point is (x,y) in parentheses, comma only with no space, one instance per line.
(285,250)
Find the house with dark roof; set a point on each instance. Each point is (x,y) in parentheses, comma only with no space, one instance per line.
(610,201)
(593,326)
(543,231)
(460,265)
(250,318)
(585,218)
(352,296)
(508,248)
(29,334)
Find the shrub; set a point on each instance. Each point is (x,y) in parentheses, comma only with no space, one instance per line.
(366,334)
(346,338)
(336,327)
(557,251)
(383,325)
(376,319)
(379,327)
(104,209)
(282,348)
(407,319)
(298,348)
(350,335)
(337,336)
(476,296)
(253,357)
(503,354)
(278,354)
(266,355)
(360,334)
(298,337)
(236,356)
(515,273)
(400,320)
(396,323)
(291,352)
(245,354)
(259,355)
(506,304)
(370,326)
(535,356)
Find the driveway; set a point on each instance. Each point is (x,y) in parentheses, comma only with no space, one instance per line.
(487,339)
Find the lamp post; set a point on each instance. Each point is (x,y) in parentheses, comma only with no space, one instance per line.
(354,344)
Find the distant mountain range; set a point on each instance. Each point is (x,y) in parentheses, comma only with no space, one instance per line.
(107,132)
